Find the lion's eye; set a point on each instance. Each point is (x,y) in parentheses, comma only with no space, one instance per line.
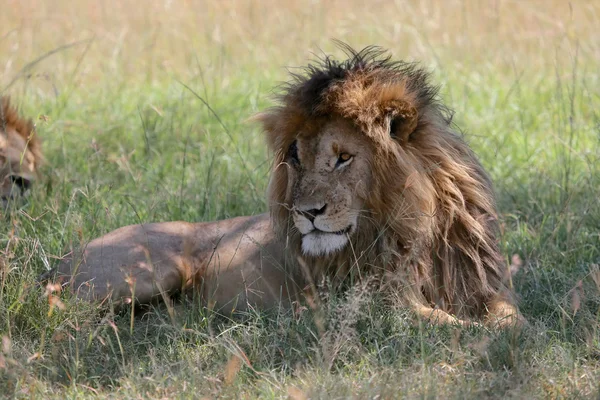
(292,152)
(343,159)
(394,127)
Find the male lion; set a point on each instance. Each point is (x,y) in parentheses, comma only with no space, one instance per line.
(20,153)
(368,178)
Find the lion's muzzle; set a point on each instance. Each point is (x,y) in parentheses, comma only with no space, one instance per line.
(323,232)
(13,187)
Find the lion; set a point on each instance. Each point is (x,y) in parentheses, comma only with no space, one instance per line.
(369,179)
(20,153)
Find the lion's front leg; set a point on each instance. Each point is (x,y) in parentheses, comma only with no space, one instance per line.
(501,312)
(439,317)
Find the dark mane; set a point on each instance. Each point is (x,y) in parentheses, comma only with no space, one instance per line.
(307,88)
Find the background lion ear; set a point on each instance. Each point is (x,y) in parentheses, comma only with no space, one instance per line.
(403,118)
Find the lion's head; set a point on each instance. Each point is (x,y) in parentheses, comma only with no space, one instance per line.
(369,172)
(19,153)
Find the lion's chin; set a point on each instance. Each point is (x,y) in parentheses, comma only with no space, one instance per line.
(321,243)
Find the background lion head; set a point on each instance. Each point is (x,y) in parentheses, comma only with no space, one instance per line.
(19,153)
(368,172)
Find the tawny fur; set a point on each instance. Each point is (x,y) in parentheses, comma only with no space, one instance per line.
(20,152)
(10,118)
(411,204)
(433,221)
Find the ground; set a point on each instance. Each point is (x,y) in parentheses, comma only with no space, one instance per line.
(119,93)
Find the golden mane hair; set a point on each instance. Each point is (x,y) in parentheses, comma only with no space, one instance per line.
(9,117)
(430,221)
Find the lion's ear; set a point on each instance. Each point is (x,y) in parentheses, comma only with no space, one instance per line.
(403,118)
(268,120)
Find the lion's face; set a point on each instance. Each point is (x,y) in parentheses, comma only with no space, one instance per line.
(329,176)
(17,166)
(19,154)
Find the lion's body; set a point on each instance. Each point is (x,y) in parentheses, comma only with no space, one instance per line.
(369,179)
(20,152)
(230,263)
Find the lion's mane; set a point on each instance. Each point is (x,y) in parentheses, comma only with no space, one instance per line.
(9,117)
(430,223)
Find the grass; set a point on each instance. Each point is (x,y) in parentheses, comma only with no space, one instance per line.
(127,141)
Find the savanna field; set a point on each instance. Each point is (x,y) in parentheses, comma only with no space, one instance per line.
(143,111)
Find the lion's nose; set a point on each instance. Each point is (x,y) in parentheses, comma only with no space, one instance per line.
(312,213)
(21,182)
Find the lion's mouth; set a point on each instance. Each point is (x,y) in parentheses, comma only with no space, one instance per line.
(318,231)
(318,242)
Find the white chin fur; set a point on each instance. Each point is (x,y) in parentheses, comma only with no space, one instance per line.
(320,244)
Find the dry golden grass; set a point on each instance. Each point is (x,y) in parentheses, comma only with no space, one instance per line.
(126,40)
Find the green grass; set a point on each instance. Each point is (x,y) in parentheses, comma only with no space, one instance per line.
(127,142)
